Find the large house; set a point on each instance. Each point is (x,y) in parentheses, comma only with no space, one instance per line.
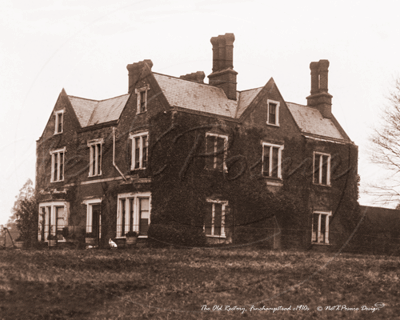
(230,166)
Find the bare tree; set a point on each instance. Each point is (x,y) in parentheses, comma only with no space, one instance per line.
(385,148)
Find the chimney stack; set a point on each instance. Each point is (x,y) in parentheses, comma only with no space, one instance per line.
(319,97)
(194,77)
(223,75)
(138,71)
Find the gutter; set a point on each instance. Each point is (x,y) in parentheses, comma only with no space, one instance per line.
(113,160)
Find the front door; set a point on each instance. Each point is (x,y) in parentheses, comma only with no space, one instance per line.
(96,222)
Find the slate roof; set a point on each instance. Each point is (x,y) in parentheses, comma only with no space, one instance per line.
(196,96)
(245,98)
(91,112)
(200,97)
(310,120)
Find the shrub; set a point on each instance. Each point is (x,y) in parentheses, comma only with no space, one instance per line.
(131,234)
(180,235)
(51,237)
(89,235)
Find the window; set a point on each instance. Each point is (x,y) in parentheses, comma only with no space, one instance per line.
(140,146)
(214,221)
(134,212)
(57,165)
(53,218)
(322,169)
(320,227)
(95,152)
(142,99)
(272,160)
(273,112)
(59,121)
(216,151)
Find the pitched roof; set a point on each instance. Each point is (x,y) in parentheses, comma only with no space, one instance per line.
(196,96)
(310,120)
(245,98)
(91,112)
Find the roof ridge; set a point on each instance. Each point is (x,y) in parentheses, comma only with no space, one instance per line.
(121,95)
(167,75)
(82,98)
(240,91)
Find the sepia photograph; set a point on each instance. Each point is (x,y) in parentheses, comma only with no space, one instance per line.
(199,159)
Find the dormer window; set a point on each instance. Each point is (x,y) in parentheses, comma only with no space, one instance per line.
(142,99)
(59,121)
(95,157)
(273,112)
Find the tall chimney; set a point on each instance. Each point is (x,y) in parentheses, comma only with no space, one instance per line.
(138,71)
(319,97)
(223,75)
(214,42)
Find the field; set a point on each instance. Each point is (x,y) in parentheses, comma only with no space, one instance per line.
(173,283)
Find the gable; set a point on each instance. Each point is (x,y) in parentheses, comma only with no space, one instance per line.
(310,120)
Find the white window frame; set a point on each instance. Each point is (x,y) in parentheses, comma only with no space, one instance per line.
(52,215)
(135,196)
(133,153)
(318,237)
(53,154)
(139,102)
(225,137)
(328,173)
(223,212)
(56,113)
(94,157)
(89,214)
(280,149)
(277,103)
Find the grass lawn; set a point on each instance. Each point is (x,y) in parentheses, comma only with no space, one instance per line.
(189,283)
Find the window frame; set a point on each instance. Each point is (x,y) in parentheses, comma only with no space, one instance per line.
(224,204)
(215,151)
(122,229)
(328,214)
(280,148)
(133,137)
(57,123)
(95,157)
(53,154)
(51,216)
(277,104)
(138,92)
(320,168)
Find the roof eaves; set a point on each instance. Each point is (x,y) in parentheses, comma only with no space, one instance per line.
(203,113)
(318,137)
(99,125)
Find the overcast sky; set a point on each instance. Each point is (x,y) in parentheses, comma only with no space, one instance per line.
(84,47)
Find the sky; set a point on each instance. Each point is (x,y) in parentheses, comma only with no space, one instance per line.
(84,46)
